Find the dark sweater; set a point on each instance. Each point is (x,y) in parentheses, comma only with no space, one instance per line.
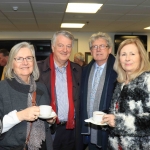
(13,96)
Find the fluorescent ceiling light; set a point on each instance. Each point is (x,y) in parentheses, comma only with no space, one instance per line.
(147,28)
(72,25)
(83,7)
(129,37)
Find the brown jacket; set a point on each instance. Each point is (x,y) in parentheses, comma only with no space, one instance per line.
(44,68)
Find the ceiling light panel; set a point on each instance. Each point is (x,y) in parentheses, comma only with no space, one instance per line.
(83,7)
(72,25)
(147,28)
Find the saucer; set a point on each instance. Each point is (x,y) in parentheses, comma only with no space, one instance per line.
(92,121)
(53,114)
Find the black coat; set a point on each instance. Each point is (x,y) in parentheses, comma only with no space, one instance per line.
(44,67)
(109,85)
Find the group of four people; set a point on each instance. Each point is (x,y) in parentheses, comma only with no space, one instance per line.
(74,92)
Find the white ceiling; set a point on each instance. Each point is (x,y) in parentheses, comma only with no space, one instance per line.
(47,15)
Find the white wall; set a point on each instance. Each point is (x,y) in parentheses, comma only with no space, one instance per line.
(81,45)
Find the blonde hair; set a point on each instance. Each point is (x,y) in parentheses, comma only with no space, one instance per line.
(15,49)
(144,64)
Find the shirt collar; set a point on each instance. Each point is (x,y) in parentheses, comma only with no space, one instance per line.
(102,66)
(60,69)
(56,66)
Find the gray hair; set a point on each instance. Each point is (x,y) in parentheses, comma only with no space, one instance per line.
(15,49)
(67,34)
(80,56)
(101,35)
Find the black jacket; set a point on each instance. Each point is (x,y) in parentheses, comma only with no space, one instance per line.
(109,85)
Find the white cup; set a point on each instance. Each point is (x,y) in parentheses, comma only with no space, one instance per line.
(97,116)
(45,110)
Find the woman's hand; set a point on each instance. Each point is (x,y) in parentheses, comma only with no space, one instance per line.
(29,114)
(109,119)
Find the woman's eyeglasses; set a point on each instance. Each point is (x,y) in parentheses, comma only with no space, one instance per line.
(21,59)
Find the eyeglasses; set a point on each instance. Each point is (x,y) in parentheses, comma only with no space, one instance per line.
(61,46)
(21,59)
(95,47)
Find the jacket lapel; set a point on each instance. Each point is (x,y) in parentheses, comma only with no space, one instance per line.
(109,69)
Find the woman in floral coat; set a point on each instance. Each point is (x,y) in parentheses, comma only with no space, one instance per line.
(129,116)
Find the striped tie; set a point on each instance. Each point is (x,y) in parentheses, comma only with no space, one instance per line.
(94,89)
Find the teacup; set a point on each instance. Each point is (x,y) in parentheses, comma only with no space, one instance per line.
(45,110)
(97,116)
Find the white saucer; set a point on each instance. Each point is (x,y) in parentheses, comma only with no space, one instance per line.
(53,114)
(92,121)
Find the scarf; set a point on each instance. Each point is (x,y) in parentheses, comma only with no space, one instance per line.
(37,135)
(70,123)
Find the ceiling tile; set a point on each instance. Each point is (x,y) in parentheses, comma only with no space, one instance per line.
(47,15)
(49,1)
(115,9)
(90,17)
(23,21)
(47,21)
(7,7)
(125,2)
(20,15)
(13,1)
(47,7)
(141,10)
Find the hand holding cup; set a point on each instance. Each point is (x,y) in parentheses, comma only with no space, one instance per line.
(109,119)
(98,116)
(45,110)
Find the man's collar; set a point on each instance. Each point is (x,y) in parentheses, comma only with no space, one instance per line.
(102,66)
(56,66)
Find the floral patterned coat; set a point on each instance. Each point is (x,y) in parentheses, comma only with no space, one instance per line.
(131,106)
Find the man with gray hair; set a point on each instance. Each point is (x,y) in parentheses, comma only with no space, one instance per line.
(79,59)
(97,85)
(62,79)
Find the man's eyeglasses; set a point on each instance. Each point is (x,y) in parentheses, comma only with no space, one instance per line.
(21,59)
(95,47)
(61,46)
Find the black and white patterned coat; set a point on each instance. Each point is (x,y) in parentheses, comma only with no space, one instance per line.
(132,130)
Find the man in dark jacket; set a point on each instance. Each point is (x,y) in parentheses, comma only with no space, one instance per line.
(97,86)
(62,79)
(4,54)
